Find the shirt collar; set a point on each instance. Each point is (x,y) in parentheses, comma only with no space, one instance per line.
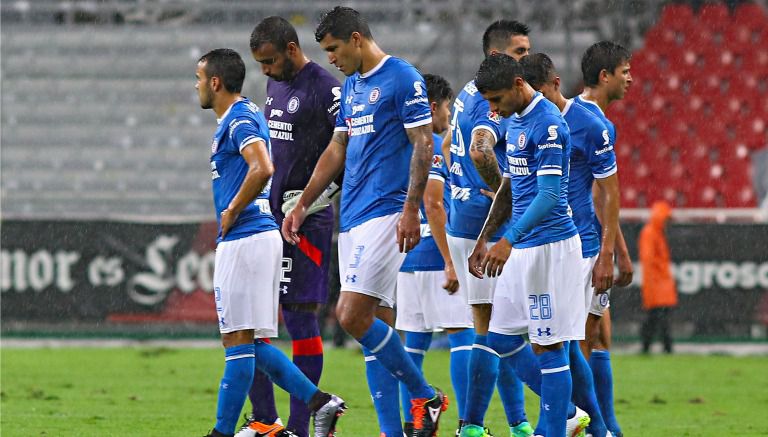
(378,66)
(219,120)
(536,99)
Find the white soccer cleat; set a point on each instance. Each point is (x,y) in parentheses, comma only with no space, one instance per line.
(576,426)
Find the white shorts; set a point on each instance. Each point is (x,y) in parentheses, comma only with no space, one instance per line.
(246,280)
(596,303)
(369,259)
(424,306)
(478,291)
(547,282)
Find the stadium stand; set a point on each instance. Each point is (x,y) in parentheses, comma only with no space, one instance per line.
(698,110)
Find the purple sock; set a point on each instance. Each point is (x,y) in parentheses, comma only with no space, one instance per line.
(262,396)
(308,357)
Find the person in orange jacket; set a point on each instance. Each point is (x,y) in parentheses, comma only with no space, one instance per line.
(658,289)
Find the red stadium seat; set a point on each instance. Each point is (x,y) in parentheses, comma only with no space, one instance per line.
(714,18)
(750,14)
(676,15)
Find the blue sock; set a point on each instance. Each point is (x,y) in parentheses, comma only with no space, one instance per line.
(516,353)
(600,361)
(555,390)
(483,370)
(584,390)
(283,372)
(384,343)
(461,349)
(238,375)
(509,385)
(384,393)
(416,345)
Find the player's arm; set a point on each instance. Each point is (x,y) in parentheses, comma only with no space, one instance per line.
(501,210)
(446,146)
(484,158)
(601,197)
(328,168)
(436,216)
(408,228)
(608,193)
(260,169)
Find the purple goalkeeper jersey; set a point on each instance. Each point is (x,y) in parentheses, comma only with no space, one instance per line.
(301,114)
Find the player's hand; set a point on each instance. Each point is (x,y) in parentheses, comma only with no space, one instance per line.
(228,219)
(408,229)
(490,194)
(497,256)
(292,223)
(451,284)
(475,260)
(602,274)
(626,270)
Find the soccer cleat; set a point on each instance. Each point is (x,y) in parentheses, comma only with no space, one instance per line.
(426,414)
(214,433)
(475,431)
(407,429)
(576,426)
(523,429)
(326,417)
(254,428)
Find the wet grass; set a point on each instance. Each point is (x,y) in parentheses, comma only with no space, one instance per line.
(172,392)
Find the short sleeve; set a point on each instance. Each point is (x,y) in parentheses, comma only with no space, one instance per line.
(330,100)
(341,119)
(244,131)
(601,155)
(549,136)
(411,98)
(438,170)
(484,118)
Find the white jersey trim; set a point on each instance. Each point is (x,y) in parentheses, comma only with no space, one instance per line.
(610,172)
(471,134)
(340,129)
(383,342)
(237,357)
(485,348)
(555,370)
(418,123)
(378,66)
(415,351)
(589,102)
(567,106)
(249,141)
(549,172)
(436,177)
(223,116)
(461,348)
(530,106)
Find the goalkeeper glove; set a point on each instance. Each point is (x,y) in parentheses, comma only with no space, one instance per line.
(291,198)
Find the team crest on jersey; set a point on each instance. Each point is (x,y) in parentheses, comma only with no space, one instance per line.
(374,96)
(293,105)
(521,141)
(494,117)
(215,145)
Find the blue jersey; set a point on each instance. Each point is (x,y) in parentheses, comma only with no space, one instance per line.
(595,109)
(538,144)
(241,125)
(592,157)
(376,109)
(469,207)
(426,256)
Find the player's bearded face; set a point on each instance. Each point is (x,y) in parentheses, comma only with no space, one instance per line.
(203,87)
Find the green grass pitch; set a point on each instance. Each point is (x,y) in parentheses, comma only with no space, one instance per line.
(172,392)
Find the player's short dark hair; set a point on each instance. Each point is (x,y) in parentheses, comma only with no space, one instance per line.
(340,22)
(438,89)
(497,72)
(275,30)
(499,32)
(538,69)
(227,65)
(603,55)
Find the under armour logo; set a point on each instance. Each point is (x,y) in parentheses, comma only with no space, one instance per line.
(269,101)
(222,322)
(546,406)
(351,278)
(284,289)
(544,331)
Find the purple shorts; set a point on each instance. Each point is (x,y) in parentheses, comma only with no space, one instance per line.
(305,266)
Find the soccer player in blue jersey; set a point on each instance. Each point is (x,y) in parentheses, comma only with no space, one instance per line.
(302,101)
(476,147)
(248,249)
(383,142)
(605,70)
(428,293)
(592,160)
(542,274)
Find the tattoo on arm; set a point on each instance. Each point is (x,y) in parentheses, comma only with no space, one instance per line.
(501,210)
(340,137)
(421,138)
(481,151)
